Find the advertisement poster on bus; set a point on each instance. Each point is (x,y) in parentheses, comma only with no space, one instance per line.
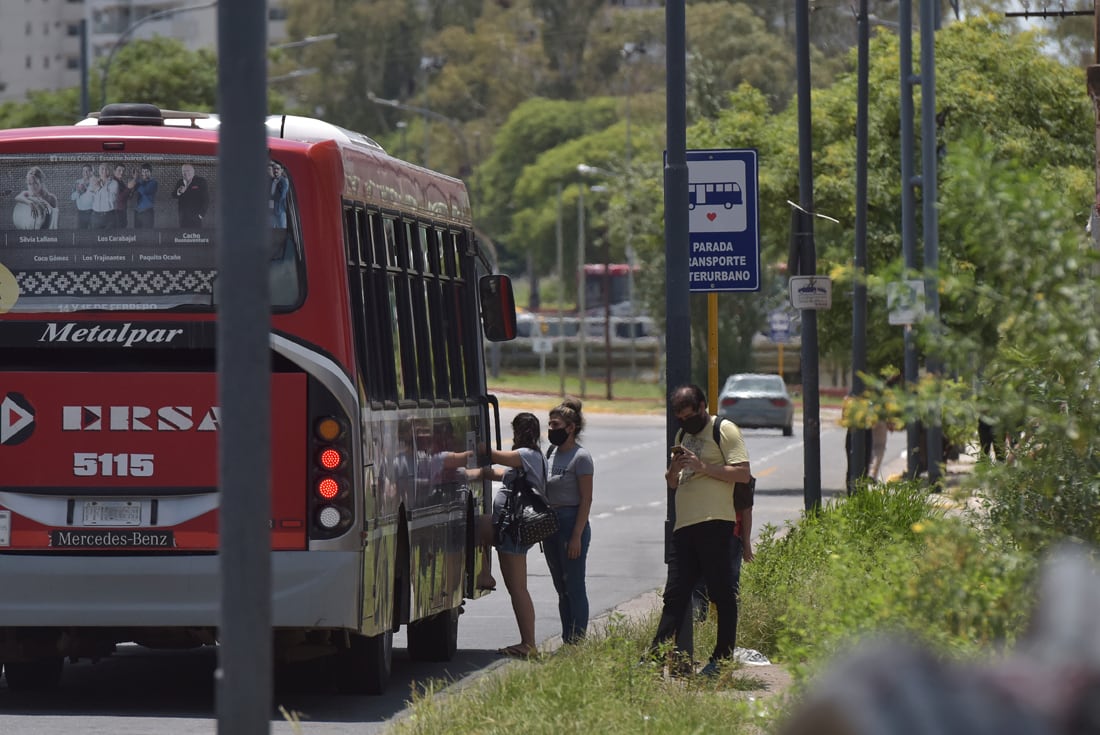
(113,230)
(723,217)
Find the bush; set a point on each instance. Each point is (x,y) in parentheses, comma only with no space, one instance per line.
(880,560)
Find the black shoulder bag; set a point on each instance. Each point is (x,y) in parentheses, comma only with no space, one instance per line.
(526,518)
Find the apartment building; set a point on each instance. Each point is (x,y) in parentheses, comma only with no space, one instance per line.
(40,40)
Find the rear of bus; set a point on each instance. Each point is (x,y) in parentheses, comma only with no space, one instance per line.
(109,414)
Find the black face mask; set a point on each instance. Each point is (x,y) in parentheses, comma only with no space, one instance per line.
(694,424)
(557,437)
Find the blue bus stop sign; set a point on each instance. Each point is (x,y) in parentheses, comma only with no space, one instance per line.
(723,218)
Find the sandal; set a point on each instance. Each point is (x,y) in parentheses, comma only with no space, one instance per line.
(518,651)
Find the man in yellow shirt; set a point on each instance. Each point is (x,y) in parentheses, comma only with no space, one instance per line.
(702,474)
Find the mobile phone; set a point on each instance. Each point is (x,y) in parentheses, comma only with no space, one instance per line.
(677,450)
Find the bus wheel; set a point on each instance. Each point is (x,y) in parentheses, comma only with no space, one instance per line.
(37,675)
(366,664)
(434,638)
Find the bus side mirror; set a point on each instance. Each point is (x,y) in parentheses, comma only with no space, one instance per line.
(498,308)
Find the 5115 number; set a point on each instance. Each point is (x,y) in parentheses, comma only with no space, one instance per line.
(90,464)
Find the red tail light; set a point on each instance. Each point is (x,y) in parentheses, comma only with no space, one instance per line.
(779,402)
(328,487)
(728,401)
(330,458)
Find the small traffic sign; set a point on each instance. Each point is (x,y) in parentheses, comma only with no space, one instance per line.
(811,292)
(542,345)
(905,301)
(780,325)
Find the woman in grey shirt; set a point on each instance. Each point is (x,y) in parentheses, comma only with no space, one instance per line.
(569,487)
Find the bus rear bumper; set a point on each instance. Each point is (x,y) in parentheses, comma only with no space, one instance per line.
(309,590)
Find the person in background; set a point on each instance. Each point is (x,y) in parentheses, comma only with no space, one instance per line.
(277,197)
(83,196)
(569,488)
(193,197)
(702,474)
(144,187)
(42,202)
(122,196)
(104,190)
(524,454)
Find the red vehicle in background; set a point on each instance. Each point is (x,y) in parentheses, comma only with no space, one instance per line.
(109,400)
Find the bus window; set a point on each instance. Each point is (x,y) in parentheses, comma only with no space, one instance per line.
(119,231)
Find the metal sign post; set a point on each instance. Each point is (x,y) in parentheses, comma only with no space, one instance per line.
(244,699)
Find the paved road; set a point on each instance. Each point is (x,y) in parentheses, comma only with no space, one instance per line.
(141,692)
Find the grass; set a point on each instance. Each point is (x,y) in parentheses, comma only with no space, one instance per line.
(597,687)
(882,561)
(628,396)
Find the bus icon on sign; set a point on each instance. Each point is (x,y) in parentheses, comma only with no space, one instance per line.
(727,194)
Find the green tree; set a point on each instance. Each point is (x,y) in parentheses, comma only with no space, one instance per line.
(564,33)
(378,51)
(511,182)
(163,72)
(160,71)
(42,108)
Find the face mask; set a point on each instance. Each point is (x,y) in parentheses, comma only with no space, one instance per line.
(557,436)
(694,424)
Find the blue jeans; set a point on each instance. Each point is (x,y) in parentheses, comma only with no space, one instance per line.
(568,575)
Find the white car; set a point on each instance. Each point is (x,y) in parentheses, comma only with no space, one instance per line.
(757,401)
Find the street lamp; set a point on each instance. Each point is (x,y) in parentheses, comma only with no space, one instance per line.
(295,74)
(307,41)
(159,15)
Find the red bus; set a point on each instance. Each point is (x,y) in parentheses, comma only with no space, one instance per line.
(598,277)
(109,407)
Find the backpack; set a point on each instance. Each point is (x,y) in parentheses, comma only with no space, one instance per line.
(743,492)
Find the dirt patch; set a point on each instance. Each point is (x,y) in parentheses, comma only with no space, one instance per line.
(773,680)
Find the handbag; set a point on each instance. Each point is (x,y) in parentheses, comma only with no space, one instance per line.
(526,518)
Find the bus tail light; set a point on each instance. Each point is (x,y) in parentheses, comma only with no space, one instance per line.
(329,488)
(330,458)
(331,471)
(331,517)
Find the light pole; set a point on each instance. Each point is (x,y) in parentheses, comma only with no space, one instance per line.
(404,128)
(586,170)
(582,335)
(454,125)
(159,15)
(561,295)
(629,51)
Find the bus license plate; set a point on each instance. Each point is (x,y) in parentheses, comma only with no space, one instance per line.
(112,513)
